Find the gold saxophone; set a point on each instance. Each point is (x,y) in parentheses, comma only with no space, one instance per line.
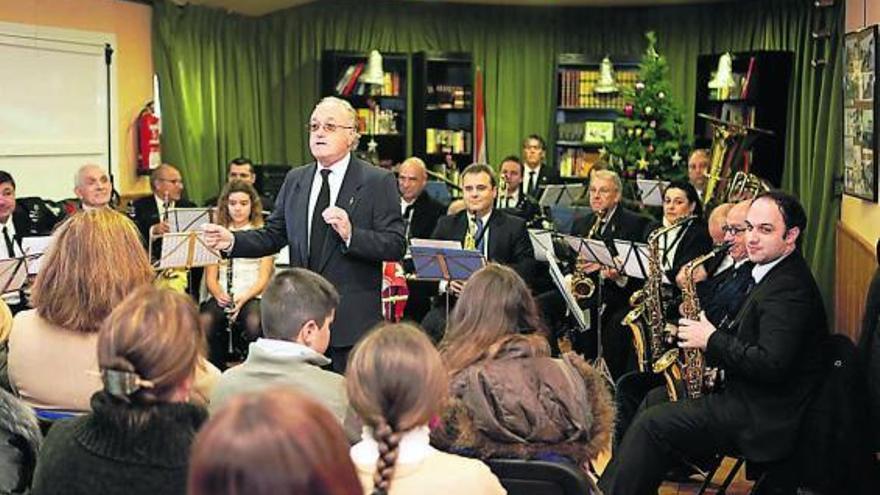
(664,360)
(582,286)
(693,366)
(470,237)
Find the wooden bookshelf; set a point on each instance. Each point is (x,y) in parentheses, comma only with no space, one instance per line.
(759,99)
(443,116)
(584,118)
(382,109)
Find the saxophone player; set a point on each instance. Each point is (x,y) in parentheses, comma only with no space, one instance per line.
(511,199)
(772,354)
(608,221)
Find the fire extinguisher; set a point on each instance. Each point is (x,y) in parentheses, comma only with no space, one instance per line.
(148,131)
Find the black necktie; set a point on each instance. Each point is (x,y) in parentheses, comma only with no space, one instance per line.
(533,179)
(319,226)
(10,248)
(407,219)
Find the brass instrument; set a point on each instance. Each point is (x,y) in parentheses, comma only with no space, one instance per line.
(693,366)
(501,200)
(664,361)
(470,237)
(632,320)
(744,186)
(582,286)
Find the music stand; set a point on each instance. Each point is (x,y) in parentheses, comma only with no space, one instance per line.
(651,191)
(595,251)
(441,261)
(542,244)
(34,248)
(189,219)
(561,194)
(13,274)
(184,250)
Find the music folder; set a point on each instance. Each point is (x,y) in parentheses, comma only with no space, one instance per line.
(444,260)
(189,219)
(651,191)
(186,250)
(582,317)
(561,194)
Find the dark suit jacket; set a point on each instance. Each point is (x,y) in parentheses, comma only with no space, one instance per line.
(546,175)
(773,362)
(623,224)
(508,239)
(369,195)
(145,214)
(722,295)
(426,211)
(526,208)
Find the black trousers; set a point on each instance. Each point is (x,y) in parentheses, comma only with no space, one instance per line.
(247,329)
(659,437)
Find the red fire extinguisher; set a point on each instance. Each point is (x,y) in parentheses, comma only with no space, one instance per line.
(149,150)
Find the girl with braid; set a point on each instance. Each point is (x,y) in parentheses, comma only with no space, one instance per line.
(396,383)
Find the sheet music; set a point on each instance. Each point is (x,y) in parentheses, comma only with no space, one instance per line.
(435,243)
(34,248)
(186,250)
(582,317)
(592,250)
(188,219)
(651,191)
(561,194)
(633,257)
(542,244)
(12,275)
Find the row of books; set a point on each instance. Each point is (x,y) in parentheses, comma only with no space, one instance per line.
(377,121)
(448,96)
(447,141)
(576,162)
(576,89)
(348,83)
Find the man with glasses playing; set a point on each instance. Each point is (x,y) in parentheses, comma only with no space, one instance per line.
(341,218)
(608,221)
(149,213)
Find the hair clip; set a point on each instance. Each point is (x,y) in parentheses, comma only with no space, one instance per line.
(123,383)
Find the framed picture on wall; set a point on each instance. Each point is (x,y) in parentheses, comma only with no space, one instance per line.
(860,115)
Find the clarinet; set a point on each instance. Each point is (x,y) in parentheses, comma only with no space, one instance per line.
(230,319)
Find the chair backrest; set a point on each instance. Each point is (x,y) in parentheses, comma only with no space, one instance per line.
(533,477)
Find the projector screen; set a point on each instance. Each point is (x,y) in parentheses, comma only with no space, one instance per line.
(53,106)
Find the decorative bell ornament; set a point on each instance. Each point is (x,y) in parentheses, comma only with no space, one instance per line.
(606,84)
(724,75)
(373,73)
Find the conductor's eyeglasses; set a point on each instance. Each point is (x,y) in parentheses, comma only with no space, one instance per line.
(329,127)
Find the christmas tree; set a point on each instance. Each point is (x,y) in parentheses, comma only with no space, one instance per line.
(649,139)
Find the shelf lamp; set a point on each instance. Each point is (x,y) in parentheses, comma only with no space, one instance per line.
(374,75)
(606,85)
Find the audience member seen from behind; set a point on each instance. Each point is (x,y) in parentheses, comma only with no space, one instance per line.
(137,438)
(274,442)
(396,383)
(299,306)
(527,405)
(95,260)
(20,439)
(239,208)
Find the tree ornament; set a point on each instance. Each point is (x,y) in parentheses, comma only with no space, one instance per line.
(676,158)
(628,110)
(653,124)
(640,86)
(650,148)
(630,132)
(661,95)
(638,131)
(649,110)
(642,164)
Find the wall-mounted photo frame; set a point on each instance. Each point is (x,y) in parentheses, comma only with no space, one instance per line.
(859,115)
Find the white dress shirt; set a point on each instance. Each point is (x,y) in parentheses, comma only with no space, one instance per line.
(761,271)
(337,173)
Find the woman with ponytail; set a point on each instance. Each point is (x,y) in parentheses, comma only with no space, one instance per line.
(137,438)
(396,383)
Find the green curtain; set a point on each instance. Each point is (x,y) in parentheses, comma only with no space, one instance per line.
(234,85)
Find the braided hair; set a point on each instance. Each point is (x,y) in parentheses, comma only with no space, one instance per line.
(395,382)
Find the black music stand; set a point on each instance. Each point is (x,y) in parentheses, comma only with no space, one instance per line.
(445,263)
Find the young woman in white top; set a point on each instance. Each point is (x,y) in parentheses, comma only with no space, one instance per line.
(238,208)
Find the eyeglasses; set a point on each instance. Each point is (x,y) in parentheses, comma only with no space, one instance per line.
(328,127)
(735,231)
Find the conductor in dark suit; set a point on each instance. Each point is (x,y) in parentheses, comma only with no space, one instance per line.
(773,359)
(341,218)
(420,214)
(149,213)
(501,237)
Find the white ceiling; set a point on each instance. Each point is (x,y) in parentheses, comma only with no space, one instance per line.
(261,7)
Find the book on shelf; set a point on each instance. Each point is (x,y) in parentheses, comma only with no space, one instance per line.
(348,83)
(577,89)
(447,141)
